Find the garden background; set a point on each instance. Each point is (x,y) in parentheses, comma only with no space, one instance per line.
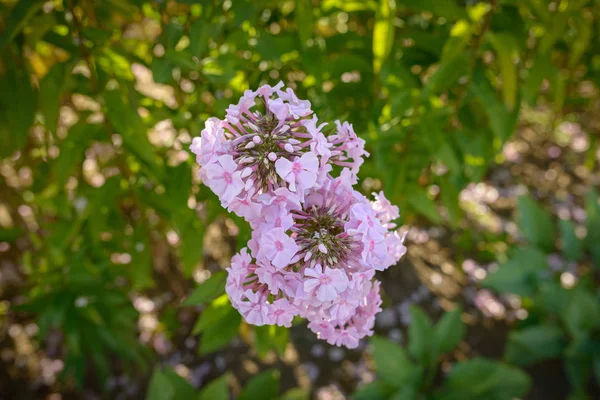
(482,120)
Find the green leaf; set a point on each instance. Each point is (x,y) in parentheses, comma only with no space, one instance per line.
(519,274)
(392,365)
(162,70)
(536,223)
(17,109)
(443,8)
(19,15)
(270,337)
(541,69)
(406,393)
(421,336)
(211,315)
(376,390)
(200,34)
(221,333)
(51,86)
(304,20)
(181,59)
(211,288)
(418,200)
(72,150)
(183,389)
(507,49)
(572,247)
(126,121)
(383,33)
(295,394)
(502,121)
(592,223)
(445,75)
(534,344)
(160,387)
(449,331)
(263,386)
(215,390)
(582,314)
(479,378)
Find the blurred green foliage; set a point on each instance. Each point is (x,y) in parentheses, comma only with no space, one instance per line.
(100,99)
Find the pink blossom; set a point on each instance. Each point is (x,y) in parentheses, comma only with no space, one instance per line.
(224,179)
(255,308)
(277,247)
(301,172)
(327,284)
(281,313)
(298,108)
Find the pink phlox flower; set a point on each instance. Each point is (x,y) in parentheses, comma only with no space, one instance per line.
(386,211)
(280,109)
(275,216)
(300,174)
(224,179)
(343,308)
(395,249)
(323,329)
(210,142)
(266,90)
(298,108)
(272,277)
(281,197)
(244,206)
(327,284)
(348,337)
(281,313)
(319,145)
(255,308)
(277,248)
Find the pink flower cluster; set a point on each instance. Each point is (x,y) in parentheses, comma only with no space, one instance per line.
(316,242)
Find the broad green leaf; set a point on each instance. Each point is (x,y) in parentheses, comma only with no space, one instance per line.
(270,337)
(582,314)
(518,275)
(126,121)
(507,50)
(450,198)
(418,200)
(421,344)
(534,344)
(208,290)
(19,15)
(72,150)
(383,33)
(572,246)
(376,390)
(183,389)
(502,121)
(200,34)
(541,69)
(181,59)
(446,74)
(304,20)
(211,315)
(536,223)
(17,109)
(392,364)
(449,331)
(295,394)
(220,334)
(215,390)
(479,378)
(160,387)
(263,386)
(51,87)
(443,8)
(162,70)
(592,223)
(405,393)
